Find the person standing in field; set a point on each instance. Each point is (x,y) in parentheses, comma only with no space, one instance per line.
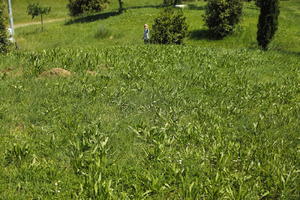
(146,34)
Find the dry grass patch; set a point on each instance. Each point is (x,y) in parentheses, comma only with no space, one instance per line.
(56,72)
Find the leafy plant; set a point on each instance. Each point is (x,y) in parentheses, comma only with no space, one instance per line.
(169,28)
(103,32)
(17,154)
(89,153)
(221,16)
(35,10)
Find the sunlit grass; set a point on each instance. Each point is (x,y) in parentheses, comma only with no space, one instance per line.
(129,29)
(211,123)
(211,119)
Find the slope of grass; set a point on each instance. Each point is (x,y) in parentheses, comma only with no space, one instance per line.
(207,120)
(58,9)
(153,122)
(127,29)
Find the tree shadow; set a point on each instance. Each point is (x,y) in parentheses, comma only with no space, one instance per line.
(146,6)
(92,18)
(101,16)
(201,35)
(293,53)
(195,7)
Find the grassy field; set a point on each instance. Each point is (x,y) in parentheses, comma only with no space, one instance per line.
(58,7)
(205,120)
(149,124)
(127,29)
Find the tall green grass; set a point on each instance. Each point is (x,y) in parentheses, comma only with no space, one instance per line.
(154,122)
(206,120)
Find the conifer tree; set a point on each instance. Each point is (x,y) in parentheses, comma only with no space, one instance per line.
(268,22)
(4,43)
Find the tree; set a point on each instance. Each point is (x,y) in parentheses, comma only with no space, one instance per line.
(78,7)
(170,27)
(36,10)
(221,16)
(258,3)
(4,43)
(268,22)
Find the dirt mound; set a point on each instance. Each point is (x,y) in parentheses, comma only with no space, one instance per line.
(6,70)
(56,72)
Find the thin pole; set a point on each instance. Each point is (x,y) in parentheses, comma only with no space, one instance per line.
(11,20)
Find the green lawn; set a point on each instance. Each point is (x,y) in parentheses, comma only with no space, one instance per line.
(59,9)
(127,29)
(211,119)
(211,123)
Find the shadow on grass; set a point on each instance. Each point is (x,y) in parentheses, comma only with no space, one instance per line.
(195,7)
(147,6)
(254,46)
(201,35)
(92,18)
(293,53)
(101,16)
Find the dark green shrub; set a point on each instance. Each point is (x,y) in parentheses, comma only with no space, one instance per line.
(268,22)
(4,43)
(170,27)
(221,16)
(77,7)
(258,3)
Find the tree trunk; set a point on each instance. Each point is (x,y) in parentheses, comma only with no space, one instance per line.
(121,6)
(42,22)
(176,2)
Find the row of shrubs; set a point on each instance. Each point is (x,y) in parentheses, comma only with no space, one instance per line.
(221,18)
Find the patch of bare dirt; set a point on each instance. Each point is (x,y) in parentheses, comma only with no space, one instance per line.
(92,73)
(6,70)
(35,23)
(56,72)
(11,72)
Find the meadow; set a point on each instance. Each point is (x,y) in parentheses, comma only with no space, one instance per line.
(127,28)
(205,120)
